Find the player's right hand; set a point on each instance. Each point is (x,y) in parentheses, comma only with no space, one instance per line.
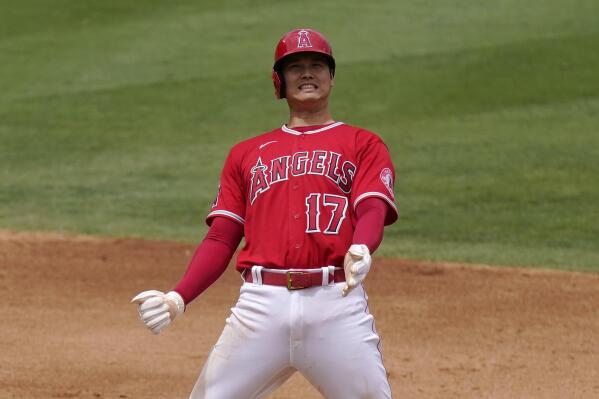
(157,310)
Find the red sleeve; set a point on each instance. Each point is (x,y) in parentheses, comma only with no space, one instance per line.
(211,258)
(375,174)
(370,225)
(230,198)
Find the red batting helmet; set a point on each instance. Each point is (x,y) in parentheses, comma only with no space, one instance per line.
(299,41)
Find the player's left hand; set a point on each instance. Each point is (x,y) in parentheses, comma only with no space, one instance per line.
(157,310)
(356,266)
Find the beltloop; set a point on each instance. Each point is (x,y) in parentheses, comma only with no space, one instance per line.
(325,275)
(332,273)
(257,275)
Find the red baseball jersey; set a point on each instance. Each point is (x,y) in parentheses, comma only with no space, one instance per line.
(296,190)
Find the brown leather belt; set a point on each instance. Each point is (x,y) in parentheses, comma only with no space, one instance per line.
(295,279)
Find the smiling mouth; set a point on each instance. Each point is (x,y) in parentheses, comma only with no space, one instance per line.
(308,86)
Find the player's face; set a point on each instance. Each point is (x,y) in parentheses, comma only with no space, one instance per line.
(307,78)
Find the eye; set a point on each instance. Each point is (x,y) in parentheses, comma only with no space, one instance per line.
(293,67)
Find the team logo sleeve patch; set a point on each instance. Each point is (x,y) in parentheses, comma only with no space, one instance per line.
(215,202)
(375,174)
(387,179)
(229,201)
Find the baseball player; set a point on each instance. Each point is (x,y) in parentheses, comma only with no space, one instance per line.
(311,200)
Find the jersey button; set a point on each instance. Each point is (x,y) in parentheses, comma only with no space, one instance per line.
(298,246)
(295,186)
(296,216)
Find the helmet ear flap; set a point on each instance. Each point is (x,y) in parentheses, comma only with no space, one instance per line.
(279,84)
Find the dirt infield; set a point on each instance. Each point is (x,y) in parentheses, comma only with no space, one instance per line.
(448,331)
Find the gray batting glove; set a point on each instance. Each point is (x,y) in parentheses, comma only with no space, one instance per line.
(356,266)
(157,310)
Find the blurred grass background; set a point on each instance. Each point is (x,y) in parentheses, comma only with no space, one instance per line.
(116,116)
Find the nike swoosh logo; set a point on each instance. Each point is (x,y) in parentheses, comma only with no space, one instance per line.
(265,144)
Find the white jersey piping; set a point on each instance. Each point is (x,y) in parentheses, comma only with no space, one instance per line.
(295,132)
(228,214)
(375,194)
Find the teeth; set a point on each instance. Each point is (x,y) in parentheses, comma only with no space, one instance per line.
(307,87)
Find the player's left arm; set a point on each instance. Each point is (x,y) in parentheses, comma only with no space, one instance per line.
(368,235)
(370,223)
(373,199)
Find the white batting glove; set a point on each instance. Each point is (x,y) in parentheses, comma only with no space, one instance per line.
(356,266)
(157,310)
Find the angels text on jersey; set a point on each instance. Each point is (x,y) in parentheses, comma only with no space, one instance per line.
(317,162)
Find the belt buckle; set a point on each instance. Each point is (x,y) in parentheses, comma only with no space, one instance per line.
(290,274)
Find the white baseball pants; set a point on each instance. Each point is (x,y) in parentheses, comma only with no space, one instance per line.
(273,332)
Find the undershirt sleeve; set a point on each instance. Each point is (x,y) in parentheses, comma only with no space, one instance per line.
(370,224)
(211,258)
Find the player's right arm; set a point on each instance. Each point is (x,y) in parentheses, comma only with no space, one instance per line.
(226,219)
(157,309)
(211,258)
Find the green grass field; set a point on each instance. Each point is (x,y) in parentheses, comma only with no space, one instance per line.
(116,116)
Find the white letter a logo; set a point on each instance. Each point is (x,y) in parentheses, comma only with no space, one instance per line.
(303,40)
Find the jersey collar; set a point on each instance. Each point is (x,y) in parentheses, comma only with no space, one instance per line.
(322,129)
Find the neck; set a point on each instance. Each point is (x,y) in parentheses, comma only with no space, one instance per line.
(309,118)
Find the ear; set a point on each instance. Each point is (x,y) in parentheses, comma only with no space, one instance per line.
(279,85)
